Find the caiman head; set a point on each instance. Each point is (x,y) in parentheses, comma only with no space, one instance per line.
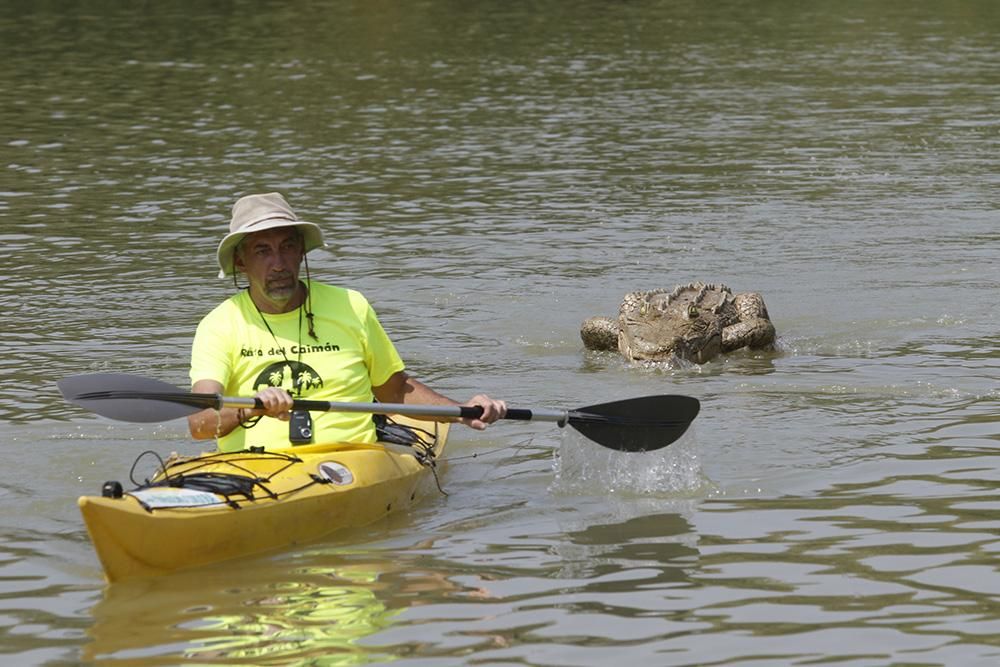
(654,327)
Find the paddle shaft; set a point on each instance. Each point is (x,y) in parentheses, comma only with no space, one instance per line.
(449,411)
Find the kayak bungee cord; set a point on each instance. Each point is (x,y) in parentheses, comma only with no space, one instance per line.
(245,481)
(163,466)
(225,485)
(420,440)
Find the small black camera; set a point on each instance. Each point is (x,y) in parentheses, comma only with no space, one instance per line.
(300,428)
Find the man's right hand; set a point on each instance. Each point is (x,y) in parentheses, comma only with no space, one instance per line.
(277,403)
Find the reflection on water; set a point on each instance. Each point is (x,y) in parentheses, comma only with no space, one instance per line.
(639,535)
(832,567)
(254,614)
(825,568)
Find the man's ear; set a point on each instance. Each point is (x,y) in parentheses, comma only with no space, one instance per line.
(238,261)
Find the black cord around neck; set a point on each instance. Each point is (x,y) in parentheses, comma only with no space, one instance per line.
(277,344)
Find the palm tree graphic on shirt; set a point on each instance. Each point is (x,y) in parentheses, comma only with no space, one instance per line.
(294,377)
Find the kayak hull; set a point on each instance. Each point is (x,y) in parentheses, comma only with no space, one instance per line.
(295,495)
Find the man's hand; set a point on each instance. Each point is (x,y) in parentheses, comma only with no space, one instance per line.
(492,411)
(277,403)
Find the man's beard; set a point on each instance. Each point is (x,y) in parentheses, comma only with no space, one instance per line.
(282,287)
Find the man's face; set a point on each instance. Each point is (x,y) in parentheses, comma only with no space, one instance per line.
(271,260)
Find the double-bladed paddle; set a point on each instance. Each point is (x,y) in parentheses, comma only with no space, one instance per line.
(631,425)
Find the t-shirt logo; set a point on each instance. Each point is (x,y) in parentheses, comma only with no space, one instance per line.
(294,377)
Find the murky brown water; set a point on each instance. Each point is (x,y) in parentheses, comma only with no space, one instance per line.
(490,174)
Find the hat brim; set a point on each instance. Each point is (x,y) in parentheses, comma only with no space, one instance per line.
(312,238)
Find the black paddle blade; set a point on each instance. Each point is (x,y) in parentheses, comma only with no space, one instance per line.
(133,398)
(636,424)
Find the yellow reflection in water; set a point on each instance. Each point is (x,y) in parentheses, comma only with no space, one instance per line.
(260,612)
(324,619)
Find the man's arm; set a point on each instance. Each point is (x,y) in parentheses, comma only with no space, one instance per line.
(401,388)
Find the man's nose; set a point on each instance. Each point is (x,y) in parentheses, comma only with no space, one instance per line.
(279,263)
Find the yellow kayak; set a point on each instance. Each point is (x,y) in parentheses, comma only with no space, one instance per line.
(213,507)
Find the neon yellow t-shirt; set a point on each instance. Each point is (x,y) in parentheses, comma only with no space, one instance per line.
(353,354)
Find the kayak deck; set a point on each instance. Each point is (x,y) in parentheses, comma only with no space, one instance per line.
(218,506)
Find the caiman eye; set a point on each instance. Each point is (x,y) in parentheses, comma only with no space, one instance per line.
(642,309)
(692,312)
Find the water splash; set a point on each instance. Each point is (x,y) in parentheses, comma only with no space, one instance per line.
(584,467)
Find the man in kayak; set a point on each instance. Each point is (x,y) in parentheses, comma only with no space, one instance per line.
(282,338)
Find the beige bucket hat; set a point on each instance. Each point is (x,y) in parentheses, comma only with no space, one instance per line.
(255,213)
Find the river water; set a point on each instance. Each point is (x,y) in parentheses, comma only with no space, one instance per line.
(490,174)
